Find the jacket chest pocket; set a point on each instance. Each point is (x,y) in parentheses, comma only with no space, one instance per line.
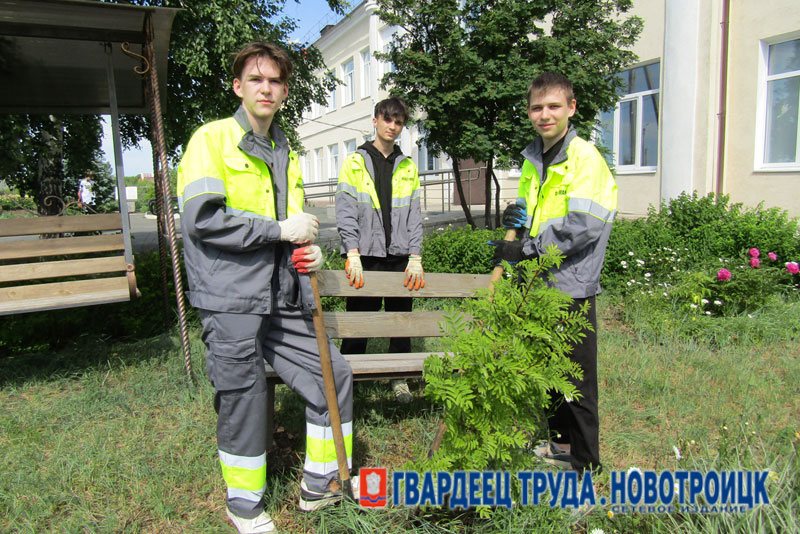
(247,187)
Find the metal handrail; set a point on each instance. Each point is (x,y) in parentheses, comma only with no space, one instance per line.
(446,195)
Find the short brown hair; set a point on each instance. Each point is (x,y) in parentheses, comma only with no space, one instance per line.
(550,80)
(392,108)
(265,50)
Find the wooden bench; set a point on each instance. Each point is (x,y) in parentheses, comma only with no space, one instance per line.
(102,263)
(381,324)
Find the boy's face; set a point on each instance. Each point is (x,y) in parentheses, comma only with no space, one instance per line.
(387,129)
(260,88)
(549,112)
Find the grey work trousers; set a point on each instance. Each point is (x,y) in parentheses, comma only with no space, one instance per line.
(237,346)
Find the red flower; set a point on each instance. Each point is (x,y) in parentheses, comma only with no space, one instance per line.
(754,262)
(772,256)
(723,274)
(754,252)
(792,267)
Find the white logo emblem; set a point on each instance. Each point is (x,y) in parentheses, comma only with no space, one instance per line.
(373,483)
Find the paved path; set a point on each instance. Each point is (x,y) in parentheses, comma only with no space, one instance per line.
(145,237)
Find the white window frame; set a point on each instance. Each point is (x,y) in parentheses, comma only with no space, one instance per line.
(760,163)
(348,79)
(318,165)
(637,97)
(333,161)
(347,144)
(331,103)
(366,75)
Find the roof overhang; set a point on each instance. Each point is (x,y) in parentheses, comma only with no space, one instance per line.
(53,58)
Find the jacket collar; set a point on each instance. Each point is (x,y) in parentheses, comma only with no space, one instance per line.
(534,151)
(257,145)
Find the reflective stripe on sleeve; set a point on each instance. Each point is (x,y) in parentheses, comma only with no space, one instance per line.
(203,186)
(243,213)
(586,205)
(351,190)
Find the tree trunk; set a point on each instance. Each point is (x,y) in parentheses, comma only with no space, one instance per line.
(50,177)
(496,200)
(460,189)
(487,188)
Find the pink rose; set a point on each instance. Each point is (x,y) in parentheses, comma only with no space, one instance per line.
(754,263)
(772,256)
(754,252)
(792,267)
(725,274)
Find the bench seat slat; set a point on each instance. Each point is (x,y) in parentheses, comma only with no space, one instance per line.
(383,284)
(59,269)
(41,297)
(35,248)
(60,225)
(375,366)
(342,325)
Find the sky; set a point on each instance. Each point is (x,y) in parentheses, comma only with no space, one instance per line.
(311,15)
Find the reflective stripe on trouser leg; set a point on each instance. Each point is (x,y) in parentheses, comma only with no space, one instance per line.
(321,451)
(290,347)
(235,365)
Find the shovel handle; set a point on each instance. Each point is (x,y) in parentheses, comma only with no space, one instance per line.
(330,388)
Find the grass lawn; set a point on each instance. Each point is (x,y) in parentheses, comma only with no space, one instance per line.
(106,437)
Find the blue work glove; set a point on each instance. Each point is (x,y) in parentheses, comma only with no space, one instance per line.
(510,251)
(515,215)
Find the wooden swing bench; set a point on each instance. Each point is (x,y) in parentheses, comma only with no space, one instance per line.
(380,324)
(28,265)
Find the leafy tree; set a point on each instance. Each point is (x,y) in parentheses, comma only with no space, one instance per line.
(44,154)
(466,65)
(205,35)
(47,155)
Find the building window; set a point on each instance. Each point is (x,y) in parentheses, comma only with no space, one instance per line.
(630,131)
(428,160)
(349,147)
(349,89)
(781,105)
(366,77)
(331,101)
(333,160)
(318,165)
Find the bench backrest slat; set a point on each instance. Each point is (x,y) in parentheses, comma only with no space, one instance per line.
(383,324)
(388,284)
(60,269)
(60,225)
(34,248)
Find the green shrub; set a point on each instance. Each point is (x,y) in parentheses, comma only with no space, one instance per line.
(146,190)
(459,250)
(702,231)
(16,202)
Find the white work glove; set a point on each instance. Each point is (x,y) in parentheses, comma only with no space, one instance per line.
(354,270)
(307,259)
(299,228)
(414,273)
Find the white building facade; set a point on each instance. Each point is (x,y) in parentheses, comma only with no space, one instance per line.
(332,131)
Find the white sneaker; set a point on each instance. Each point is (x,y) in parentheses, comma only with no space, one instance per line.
(401,391)
(257,525)
(312,500)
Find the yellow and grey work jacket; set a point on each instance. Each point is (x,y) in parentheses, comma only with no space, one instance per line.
(573,207)
(234,186)
(358,211)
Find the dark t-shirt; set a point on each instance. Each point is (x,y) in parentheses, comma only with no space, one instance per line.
(383,183)
(547,157)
